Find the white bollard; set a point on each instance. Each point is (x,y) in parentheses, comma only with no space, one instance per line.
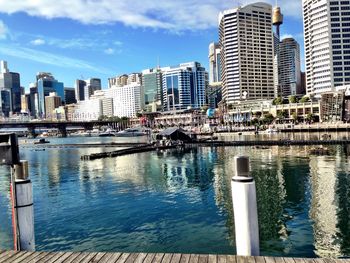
(245,209)
(23,207)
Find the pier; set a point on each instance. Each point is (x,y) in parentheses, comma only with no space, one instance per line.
(102,257)
(149,147)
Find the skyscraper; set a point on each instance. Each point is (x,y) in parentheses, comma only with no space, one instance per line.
(69,95)
(184,86)
(52,102)
(91,86)
(153,87)
(246,40)
(46,83)
(327,44)
(10,87)
(214,63)
(79,89)
(289,67)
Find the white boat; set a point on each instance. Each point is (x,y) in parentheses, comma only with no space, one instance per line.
(107,133)
(131,132)
(270,130)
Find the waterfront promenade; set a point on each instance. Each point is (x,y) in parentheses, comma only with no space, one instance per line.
(102,257)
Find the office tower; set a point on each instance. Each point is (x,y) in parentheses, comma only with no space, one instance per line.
(52,102)
(135,78)
(289,67)
(25,103)
(214,63)
(86,110)
(118,81)
(327,44)
(33,95)
(10,85)
(184,86)
(127,100)
(80,89)
(246,41)
(91,86)
(152,84)
(46,83)
(107,103)
(69,96)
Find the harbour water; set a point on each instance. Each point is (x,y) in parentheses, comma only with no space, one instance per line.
(180,201)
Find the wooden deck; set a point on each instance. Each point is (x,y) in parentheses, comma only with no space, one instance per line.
(85,257)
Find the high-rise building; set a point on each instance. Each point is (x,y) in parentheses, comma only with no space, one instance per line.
(152,84)
(289,67)
(69,96)
(10,85)
(46,83)
(184,86)
(91,86)
(246,41)
(327,44)
(52,102)
(127,100)
(34,104)
(214,63)
(80,89)
(118,81)
(25,103)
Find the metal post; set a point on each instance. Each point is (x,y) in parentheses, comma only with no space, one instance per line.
(245,209)
(22,203)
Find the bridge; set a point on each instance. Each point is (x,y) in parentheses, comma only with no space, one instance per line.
(62,126)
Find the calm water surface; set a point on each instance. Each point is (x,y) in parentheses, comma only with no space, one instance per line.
(180,201)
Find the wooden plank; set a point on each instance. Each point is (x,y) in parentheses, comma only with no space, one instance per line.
(88,258)
(231,259)
(2,253)
(97,257)
(13,256)
(167,258)
(194,258)
(241,259)
(6,255)
(149,258)
(212,259)
(22,256)
(308,260)
(221,259)
(270,260)
(176,258)
(141,257)
(108,256)
(40,257)
(158,258)
(132,257)
(185,258)
(259,259)
(122,258)
(31,257)
(251,259)
(203,259)
(55,256)
(298,260)
(288,260)
(73,257)
(279,260)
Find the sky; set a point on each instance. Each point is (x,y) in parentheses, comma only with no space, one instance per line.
(79,39)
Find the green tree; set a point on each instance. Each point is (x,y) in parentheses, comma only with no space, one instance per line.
(139,115)
(304,99)
(294,116)
(277,101)
(282,115)
(310,118)
(268,118)
(292,99)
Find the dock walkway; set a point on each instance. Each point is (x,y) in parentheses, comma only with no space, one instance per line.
(103,257)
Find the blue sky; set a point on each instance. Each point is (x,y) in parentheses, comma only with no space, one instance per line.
(103,38)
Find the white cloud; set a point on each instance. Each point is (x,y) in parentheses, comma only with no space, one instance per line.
(109,51)
(3,30)
(38,42)
(50,59)
(169,14)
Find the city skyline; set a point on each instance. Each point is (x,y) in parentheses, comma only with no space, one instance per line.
(71,46)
